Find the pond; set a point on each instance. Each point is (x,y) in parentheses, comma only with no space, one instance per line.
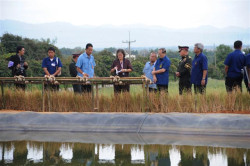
(58,149)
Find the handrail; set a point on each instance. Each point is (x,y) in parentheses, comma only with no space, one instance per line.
(77,80)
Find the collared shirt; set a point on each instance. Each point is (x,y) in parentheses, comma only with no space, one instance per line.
(86,64)
(235,62)
(148,68)
(124,65)
(51,64)
(198,65)
(162,63)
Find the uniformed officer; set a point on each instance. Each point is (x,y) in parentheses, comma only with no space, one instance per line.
(184,69)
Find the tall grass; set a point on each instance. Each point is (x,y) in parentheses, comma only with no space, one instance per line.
(215,100)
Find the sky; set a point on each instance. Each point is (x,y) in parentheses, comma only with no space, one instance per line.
(176,14)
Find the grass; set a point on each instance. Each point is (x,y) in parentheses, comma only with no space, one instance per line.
(215,100)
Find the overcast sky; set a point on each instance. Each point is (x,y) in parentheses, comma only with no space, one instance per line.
(168,13)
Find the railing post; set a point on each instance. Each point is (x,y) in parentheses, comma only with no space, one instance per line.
(97,98)
(143,97)
(43,97)
(3,98)
(147,97)
(93,97)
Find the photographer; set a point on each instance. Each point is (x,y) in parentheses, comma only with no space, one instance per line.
(18,65)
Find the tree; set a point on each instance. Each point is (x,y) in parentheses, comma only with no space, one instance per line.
(222,51)
(104,60)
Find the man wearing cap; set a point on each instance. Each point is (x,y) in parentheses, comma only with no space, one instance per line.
(73,72)
(183,71)
(234,65)
(161,70)
(199,69)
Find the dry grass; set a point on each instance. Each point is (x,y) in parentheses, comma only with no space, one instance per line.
(66,101)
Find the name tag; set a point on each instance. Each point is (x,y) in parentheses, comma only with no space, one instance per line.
(53,64)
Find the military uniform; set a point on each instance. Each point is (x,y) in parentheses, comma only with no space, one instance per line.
(184,69)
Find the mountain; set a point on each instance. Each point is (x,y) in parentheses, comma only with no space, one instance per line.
(104,36)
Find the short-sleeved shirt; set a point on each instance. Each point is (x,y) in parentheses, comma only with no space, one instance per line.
(124,65)
(148,68)
(235,62)
(51,64)
(86,64)
(162,63)
(199,64)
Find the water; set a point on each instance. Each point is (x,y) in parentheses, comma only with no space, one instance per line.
(76,153)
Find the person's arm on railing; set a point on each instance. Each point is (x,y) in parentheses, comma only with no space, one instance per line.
(46,71)
(80,71)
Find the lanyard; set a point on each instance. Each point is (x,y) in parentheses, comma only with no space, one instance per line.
(121,63)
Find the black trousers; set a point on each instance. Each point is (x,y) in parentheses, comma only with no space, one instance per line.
(20,86)
(246,83)
(51,87)
(162,88)
(121,88)
(77,88)
(233,83)
(184,86)
(86,88)
(199,89)
(151,89)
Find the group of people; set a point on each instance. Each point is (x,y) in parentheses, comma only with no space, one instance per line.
(237,68)
(189,72)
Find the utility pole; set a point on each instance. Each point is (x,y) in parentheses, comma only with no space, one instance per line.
(215,60)
(129,43)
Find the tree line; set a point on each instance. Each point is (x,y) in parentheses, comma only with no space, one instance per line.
(36,50)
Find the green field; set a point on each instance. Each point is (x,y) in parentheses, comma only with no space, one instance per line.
(213,86)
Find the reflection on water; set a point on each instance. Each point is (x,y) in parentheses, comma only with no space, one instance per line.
(48,153)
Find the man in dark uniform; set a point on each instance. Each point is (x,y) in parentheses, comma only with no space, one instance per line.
(73,72)
(183,71)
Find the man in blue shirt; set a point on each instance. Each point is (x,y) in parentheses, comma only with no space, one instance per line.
(234,65)
(247,73)
(148,68)
(199,69)
(52,67)
(85,66)
(161,70)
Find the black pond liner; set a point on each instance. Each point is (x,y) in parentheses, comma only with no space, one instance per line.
(232,130)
